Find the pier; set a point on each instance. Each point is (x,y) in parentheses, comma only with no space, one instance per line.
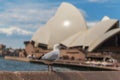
(76,65)
(17,58)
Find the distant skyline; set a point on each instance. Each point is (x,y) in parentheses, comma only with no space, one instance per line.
(19,19)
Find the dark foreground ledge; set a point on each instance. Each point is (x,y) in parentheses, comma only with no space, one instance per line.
(100,75)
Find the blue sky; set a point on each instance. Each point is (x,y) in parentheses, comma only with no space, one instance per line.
(19,19)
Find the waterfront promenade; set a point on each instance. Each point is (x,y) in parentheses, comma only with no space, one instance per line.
(76,65)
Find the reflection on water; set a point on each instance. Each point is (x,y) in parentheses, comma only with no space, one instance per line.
(8,65)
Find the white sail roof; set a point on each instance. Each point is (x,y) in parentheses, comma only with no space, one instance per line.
(69,28)
(67,21)
(105,18)
(103,38)
(89,36)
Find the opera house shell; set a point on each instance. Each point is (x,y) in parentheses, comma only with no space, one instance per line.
(67,21)
(69,28)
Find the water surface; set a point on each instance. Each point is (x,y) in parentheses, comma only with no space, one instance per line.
(9,65)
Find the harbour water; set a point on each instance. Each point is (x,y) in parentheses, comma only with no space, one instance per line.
(9,65)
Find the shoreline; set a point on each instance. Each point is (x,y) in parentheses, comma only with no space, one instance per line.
(75,66)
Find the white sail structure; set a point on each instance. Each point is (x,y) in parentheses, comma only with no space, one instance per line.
(67,21)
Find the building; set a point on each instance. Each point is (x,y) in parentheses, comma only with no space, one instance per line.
(67,21)
(2,49)
(102,35)
(68,27)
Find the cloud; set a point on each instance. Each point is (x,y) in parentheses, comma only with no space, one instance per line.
(28,16)
(97,1)
(92,23)
(15,30)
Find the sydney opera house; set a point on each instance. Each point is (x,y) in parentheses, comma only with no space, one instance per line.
(69,28)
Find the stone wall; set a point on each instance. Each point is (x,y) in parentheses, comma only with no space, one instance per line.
(97,75)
